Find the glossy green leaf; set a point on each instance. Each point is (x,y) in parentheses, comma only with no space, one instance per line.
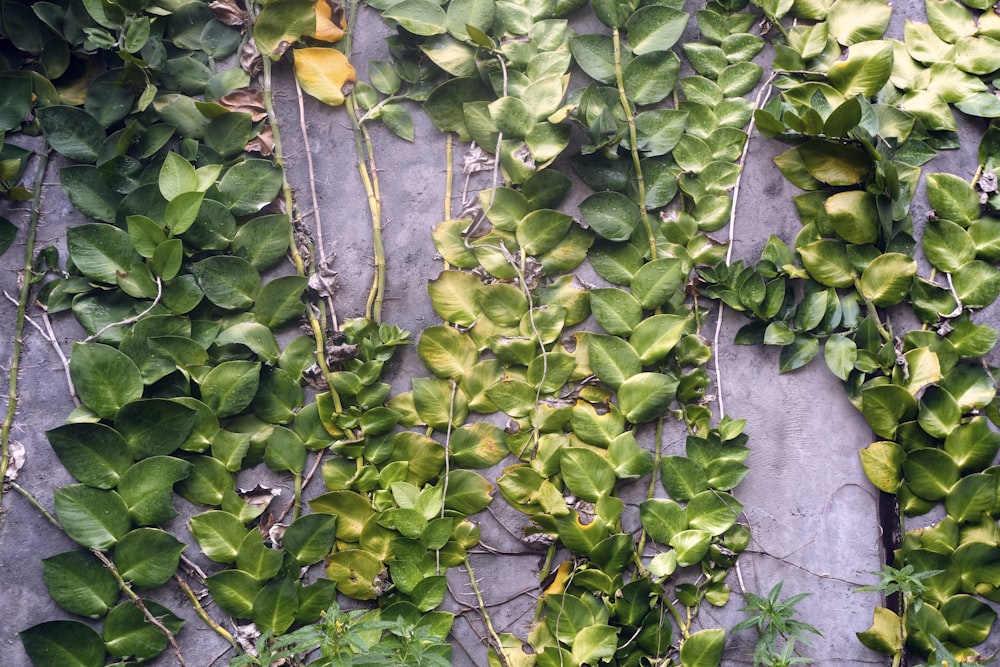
(79,583)
(219,534)
(94,454)
(249,186)
(704,648)
(977,284)
(63,644)
(972,445)
(855,21)
(128,633)
(656,281)
(612,359)
(655,28)
(453,295)
(310,538)
(595,56)
(148,557)
(690,546)
(682,478)
(94,518)
(612,215)
(421,17)
(952,198)
(229,282)
(886,406)
(645,397)
(662,519)
(234,591)
(263,241)
(882,462)
(930,473)
(887,278)
(229,388)
(72,132)
(586,474)
(970,620)
(468,492)
(147,488)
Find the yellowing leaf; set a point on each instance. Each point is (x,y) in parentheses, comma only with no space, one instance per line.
(282,23)
(330,22)
(324,73)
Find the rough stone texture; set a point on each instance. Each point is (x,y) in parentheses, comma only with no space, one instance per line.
(813,514)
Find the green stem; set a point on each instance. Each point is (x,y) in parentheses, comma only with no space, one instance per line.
(298,496)
(369,177)
(650,492)
(202,614)
(22,306)
(300,267)
(127,590)
(34,503)
(542,574)
(633,141)
(494,637)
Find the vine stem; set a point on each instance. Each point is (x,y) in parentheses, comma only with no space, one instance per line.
(202,614)
(633,141)
(134,318)
(297,260)
(650,493)
(494,637)
(22,307)
(369,178)
(762,96)
(127,589)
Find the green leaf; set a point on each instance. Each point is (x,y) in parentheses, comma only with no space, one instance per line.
(834,163)
(840,353)
(101,251)
(263,241)
(947,245)
(704,648)
(234,591)
(595,56)
(229,282)
(645,397)
(952,198)
(651,77)
(63,644)
(682,478)
(656,336)
(219,534)
(969,619)
(854,216)
(80,584)
(421,17)
(939,412)
(882,462)
(662,519)
(104,378)
(147,488)
(657,281)
(887,278)
(970,498)
(971,445)
(257,560)
(128,633)
(249,186)
(148,557)
(977,284)
(257,337)
(541,230)
(453,297)
(595,642)
(94,518)
(800,352)
(655,28)
(479,445)
(827,262)
(285,451)
(86,189)
(691,546)
(612,215)
(930,473)
(72,132)
(468,492)
(94,454)
(612,359)
(713,511)
(309,539)
(154,426)
(229,388)
(659,130)
(887,406)
(884,635)
(586,473)
(855,21)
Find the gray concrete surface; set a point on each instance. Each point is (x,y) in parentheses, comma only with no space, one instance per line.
(812,512)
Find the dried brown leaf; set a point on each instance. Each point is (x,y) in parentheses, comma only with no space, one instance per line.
(228,12)
(246,100)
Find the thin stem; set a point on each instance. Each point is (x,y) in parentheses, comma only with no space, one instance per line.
(297,260)
(202,614)
(127,590)
(134,318)
(22,306)
(34,503)
(650,492)
(494,637)
(633,142)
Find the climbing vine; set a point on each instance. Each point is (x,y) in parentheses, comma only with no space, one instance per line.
(190,371)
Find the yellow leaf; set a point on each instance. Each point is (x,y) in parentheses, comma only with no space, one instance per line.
(324,73)
(330,22)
